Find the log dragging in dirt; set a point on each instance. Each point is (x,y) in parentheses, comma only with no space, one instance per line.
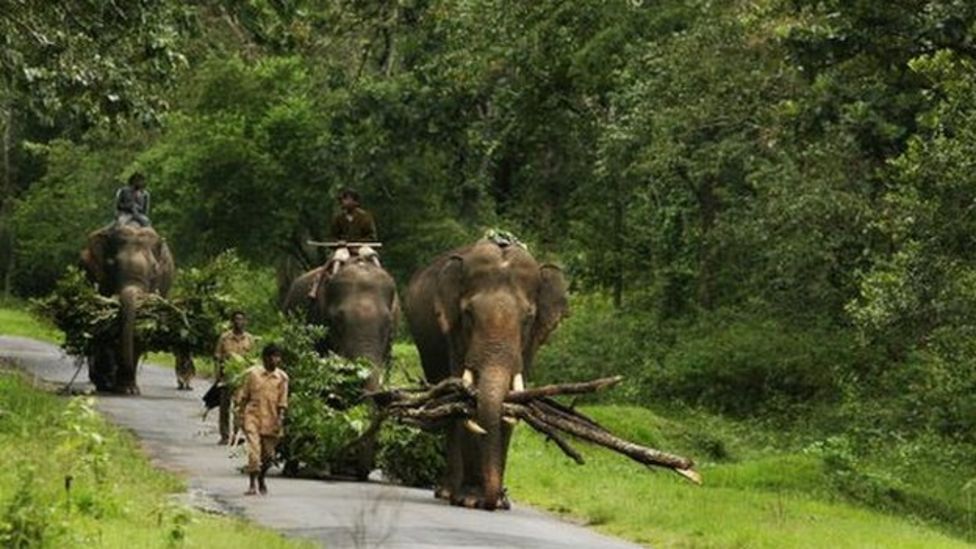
(453,398)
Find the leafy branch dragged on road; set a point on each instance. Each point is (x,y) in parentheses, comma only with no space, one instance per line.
(453,398)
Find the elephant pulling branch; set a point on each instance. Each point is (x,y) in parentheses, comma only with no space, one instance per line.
(456,399)
(478,315)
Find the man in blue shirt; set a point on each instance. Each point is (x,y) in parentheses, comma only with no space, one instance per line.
(132,202)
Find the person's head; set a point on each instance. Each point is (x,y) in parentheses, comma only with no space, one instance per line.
(348,199)
(271,356)
(238,320)
(137,181)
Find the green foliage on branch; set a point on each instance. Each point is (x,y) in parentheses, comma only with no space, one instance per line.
(325,408)
(327,416)
(188,323)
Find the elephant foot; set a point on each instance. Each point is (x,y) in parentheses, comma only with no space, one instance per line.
(474,498)
(132,390)
(443,492)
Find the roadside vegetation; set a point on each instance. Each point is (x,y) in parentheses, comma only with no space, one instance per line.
(72,480)
(765,210)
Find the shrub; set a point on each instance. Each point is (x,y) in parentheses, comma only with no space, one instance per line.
(410,456)
(325,411)
(597,340)
(746,365)
(26,520)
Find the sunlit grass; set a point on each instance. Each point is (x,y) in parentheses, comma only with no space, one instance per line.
(758,498)
(15,320)
(130,508)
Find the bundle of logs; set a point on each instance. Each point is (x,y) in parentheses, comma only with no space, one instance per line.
(455,398)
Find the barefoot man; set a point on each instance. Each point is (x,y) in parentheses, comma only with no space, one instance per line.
(263,398)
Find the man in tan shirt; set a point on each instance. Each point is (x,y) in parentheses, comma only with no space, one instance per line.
(263,397)
(233,342)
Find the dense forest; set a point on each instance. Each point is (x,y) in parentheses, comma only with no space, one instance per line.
(766,208)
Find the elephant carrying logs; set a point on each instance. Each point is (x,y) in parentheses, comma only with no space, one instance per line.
(359,306)
(128,262)
(480,313)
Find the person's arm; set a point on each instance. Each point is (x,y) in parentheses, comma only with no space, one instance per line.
(244,393)
(335,228)
(373,235)
(121,202)
(219,358)
(282,402)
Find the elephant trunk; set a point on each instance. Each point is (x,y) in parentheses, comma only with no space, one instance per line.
(493,384)
(126,376)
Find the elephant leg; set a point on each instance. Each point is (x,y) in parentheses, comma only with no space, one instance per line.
(454,475)
(125,377)
(470,493)
(101,371)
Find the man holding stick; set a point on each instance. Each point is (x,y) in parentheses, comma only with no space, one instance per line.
(263,398)
(235,344)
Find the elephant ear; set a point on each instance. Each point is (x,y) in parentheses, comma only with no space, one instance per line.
(165,268)
(94,256)
(447,305)
(551,307)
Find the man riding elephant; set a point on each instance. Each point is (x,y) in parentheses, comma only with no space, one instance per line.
(130,262)
(352,225)
(132,202)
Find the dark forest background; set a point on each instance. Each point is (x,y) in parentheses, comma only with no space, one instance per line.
(765,208)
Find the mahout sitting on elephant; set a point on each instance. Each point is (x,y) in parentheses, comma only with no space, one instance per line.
(358,305)
(127,261)
(480,313)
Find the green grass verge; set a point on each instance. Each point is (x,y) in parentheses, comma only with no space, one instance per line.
(753,496)
(117,499)
(15,320)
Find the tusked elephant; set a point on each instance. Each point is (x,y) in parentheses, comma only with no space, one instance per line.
(359,306)
(480,313)
(129,262)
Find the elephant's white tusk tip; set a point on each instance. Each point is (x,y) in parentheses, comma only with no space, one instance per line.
(518,383)
(468,377)
(510,420)
(473,426)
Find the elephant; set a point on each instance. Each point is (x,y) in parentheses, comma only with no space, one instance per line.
(360,307)
(480,313)
(130,262)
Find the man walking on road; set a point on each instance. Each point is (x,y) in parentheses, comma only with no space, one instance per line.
(234,344)
(263,398)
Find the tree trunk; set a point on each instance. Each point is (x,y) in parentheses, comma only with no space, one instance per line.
(618,244)
(6,201)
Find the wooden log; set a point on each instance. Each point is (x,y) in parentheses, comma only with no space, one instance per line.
(602,437)
(445,411)
(552,435)
(552,406)
(533,393)
(399,398)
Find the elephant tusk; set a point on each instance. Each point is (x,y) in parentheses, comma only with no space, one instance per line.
(513,421)
(518,384)
(468,377)
(473,426)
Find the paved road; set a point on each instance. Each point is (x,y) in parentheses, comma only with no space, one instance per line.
(338,514)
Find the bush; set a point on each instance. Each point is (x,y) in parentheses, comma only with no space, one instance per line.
(27,521)
(746,365)
(598,340)
(325,412)
(410,456)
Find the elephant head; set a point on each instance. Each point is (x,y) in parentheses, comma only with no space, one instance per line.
(359,306)
(492,308)
(128,262)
